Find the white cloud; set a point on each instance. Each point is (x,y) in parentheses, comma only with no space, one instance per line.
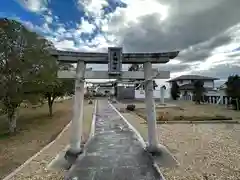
(48,19)
(86,27)
(61,30)
(206,40)
(101,43)
(65,44)
(34,5)
(44,28)
(123,18)
(93,7)
(137,9)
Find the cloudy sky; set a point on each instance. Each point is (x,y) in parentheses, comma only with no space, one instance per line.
(207,32)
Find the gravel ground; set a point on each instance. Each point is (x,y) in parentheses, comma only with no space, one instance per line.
(37,168)
(205,151)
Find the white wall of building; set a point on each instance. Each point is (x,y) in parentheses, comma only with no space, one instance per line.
(216,93)
(209,84)
(140,94)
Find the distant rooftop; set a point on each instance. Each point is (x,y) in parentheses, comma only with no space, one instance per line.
(192,77)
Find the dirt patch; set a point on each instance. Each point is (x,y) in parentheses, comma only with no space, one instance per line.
(35,130)
(191,112)
(37,168)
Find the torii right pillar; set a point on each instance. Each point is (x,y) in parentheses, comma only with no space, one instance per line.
(153,146)
(150,108)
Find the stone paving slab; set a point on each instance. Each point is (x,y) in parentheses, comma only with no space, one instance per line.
(114,153)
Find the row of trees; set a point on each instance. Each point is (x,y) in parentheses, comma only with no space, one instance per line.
(232,90)
(27,70)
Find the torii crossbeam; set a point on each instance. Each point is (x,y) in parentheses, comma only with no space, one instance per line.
(102,58)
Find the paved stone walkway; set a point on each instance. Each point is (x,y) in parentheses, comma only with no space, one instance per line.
(114,153)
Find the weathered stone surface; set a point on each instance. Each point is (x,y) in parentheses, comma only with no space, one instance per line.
(114,153)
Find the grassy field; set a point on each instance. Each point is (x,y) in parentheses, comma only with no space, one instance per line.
(35,130)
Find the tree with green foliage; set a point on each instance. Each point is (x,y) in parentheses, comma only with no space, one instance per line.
(233,90)
(51,86)
(23,58)
(198,91)
(175,92)
(154,85)
(56,88)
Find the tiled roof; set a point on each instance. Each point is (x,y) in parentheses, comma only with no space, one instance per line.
(192,77)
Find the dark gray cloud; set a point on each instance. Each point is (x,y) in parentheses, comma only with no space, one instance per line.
(195,27)
(174,67)
(190,23)
(200,52)
(221,71)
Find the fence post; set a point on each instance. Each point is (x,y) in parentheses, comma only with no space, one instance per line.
(162,94)
(237,103)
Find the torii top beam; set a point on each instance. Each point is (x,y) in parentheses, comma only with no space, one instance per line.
(102,58)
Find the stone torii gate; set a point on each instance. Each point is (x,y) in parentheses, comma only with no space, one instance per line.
(114,58)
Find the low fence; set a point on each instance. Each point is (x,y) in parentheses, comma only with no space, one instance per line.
(224,100)
(62,98)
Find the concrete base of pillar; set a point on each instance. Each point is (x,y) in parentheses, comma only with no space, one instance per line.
(162,155)
(155,150)
(71,156)
(65,159)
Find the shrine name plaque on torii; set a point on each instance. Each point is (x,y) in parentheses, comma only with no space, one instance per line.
(114,58)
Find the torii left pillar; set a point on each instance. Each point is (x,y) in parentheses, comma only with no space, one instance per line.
(77,119)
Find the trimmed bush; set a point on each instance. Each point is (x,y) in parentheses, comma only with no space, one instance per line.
(90,102)
(131,107)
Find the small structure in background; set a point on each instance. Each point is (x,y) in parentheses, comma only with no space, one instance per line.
(162,94)
(212,95)
(186,84)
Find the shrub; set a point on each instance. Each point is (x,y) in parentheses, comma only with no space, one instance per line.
(163,116)
(131,107)
(175,92)
(233,90)
(90,102)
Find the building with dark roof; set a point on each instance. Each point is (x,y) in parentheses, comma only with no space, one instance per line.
(186,83)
